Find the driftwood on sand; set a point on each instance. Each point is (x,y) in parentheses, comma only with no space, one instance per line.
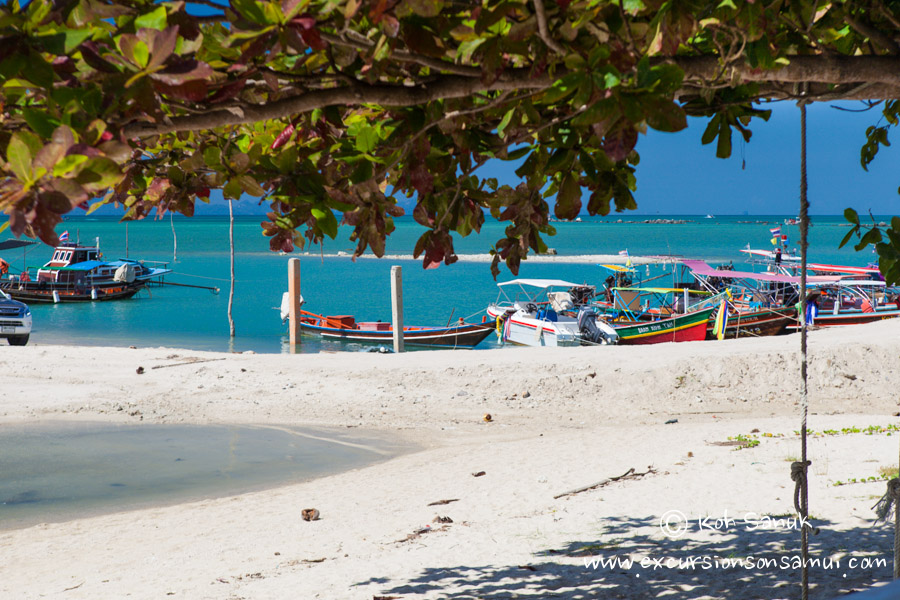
(629,474)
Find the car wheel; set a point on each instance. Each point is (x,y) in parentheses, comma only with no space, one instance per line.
(18,340)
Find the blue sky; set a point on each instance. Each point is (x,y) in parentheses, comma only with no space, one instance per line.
(679,175)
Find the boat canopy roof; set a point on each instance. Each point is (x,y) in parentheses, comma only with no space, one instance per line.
(539,283)
(11,244)
(843,269)
(659,290)
(88,265)
(770,254)
(618,268)
(699,267)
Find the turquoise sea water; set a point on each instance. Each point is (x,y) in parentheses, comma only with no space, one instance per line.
(334,284)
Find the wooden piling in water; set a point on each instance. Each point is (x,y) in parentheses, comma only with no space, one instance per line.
(294,299)
(397,307)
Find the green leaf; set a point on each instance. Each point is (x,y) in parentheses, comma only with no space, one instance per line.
(40,122)
(666,115)
(873,236)
(141,54)
(250,185)
(250,9)
(723,149)
(18,155)
(851,216)
(68,164)
(63,42)
(504,122)
(326,221)
(366,139)
(232,190)
(712,128)
(212,156)
(38,71)
(98,174)
(518,153)
(152,20)
(568,200)
(848,237)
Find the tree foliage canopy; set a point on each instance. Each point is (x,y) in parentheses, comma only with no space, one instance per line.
(324,106)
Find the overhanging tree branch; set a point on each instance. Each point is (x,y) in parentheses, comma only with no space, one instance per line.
(450,86)
(882,73)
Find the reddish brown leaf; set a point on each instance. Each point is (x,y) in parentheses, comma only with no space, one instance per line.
(423,216)
(283,137)
(229,90)
(421,179)
(182,72)
(619,143)
(195,91)
(313,39)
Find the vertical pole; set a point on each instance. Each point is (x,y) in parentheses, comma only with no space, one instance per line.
(803,509)
(294,299)
(231,244)
(174,238)
(397,306)
(684,293)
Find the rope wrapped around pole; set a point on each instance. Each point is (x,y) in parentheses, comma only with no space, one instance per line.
(890,502)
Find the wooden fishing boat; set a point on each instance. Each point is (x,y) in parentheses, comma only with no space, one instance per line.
(345,327)
(689,327)
(41,291)
(756,323)
(78,273)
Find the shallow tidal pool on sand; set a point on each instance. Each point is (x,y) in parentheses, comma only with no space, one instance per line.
(58,471)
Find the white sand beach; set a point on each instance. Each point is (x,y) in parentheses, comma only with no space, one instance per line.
(560,419)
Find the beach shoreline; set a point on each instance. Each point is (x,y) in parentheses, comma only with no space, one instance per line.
(561,419)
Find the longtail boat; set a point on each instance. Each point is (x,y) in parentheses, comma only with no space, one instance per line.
(346,328)
(756,323)
(689,327)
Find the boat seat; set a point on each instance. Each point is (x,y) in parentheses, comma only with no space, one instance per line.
(561,301)
(546,314)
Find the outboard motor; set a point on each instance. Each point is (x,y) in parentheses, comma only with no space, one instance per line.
(595,330)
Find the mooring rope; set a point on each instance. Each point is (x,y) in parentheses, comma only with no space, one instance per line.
(801,472)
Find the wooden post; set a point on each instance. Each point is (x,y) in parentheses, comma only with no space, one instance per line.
(231,244)
(294,299)
(397,306)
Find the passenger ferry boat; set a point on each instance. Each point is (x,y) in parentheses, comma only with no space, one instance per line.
(78,273)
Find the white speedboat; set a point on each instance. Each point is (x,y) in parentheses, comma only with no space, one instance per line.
(548,312)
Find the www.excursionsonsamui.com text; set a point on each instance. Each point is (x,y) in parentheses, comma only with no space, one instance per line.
(750,563)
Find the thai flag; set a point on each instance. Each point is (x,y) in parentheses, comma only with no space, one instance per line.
(64,237)
(776,232)
(623,252)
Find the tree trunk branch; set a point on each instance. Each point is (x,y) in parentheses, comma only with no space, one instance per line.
(544,33)
(450,86)
(881,74)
